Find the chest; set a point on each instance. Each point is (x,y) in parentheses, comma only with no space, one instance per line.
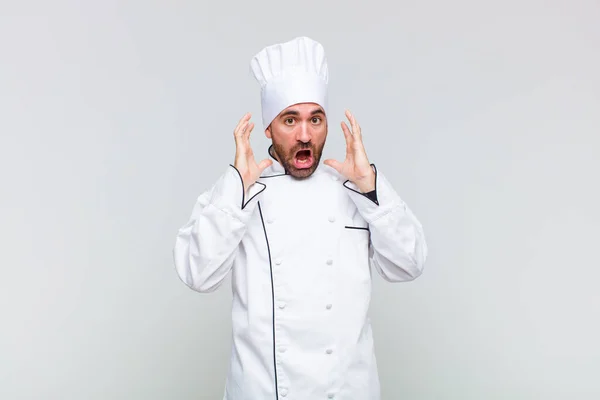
(307,211)
(305,237)
(311,221)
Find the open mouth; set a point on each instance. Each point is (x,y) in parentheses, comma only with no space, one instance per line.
(303,159)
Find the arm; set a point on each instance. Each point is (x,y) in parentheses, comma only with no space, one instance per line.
(206,245)
(398,248)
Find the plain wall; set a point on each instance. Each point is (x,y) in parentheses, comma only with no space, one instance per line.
(116,115)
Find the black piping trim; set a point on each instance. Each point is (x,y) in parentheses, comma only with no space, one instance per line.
(357,227)
(363,194)
(244,194)
(275,160)
(271,154)
(273,176)
(272,300)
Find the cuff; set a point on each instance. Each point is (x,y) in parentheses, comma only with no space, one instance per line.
(228,195)
(372,195)
(374,204)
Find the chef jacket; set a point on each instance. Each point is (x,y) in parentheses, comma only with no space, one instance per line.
(301,254)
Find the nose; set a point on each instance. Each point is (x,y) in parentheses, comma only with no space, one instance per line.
(304,134)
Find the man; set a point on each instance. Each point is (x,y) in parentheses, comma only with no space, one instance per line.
(300,241)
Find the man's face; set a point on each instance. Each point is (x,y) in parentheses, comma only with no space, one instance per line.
(298,134)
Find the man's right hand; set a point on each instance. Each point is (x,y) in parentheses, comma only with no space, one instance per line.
(244,157)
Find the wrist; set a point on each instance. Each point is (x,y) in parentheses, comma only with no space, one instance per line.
(366,184)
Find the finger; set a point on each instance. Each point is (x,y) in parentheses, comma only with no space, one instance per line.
(240,134)
(264,164)
(349,116)
(355,127)
(242,122)
(248,130)
(348,135)
(239,138)
(347,132)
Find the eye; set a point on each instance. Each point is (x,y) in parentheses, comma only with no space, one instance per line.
(289,121)
(316,120)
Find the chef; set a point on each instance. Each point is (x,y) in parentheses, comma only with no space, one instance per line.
(301,239)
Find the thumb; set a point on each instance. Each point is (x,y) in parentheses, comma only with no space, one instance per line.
(264,164)
(333,164)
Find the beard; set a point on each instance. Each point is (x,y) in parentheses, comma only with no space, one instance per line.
(287,158)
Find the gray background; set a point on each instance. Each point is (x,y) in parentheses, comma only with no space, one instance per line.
(115,116)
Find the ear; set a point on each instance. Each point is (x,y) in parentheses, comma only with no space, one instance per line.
(268,132)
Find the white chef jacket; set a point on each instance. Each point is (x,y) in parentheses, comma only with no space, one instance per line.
(301,253)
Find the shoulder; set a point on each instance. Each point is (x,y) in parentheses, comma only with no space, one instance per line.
(329,173)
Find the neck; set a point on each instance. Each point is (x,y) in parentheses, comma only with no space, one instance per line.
(274,154)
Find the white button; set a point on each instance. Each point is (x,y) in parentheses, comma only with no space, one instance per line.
(283,392)
(269,220)
(282,305)
(282,349)
(329,351)
(278,261)
(330,396)
(329,262)
(332,219)
(335,178)
(328,306)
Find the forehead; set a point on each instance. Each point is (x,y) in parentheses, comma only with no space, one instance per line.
(303,109)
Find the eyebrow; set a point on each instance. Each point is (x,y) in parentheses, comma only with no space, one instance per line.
(296,113)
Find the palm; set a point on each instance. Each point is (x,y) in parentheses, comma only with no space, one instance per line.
(355,165)
(250,165)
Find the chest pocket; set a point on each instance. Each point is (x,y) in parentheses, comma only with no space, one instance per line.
(355,240)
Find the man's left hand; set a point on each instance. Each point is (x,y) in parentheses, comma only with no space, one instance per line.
(356,167)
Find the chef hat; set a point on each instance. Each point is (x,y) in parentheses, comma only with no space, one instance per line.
(290,73)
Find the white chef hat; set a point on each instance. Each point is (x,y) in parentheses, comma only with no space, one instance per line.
(290,73)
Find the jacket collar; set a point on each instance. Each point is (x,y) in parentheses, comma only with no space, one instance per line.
(275,169)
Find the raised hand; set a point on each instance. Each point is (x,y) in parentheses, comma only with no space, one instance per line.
(244,157)
(356,167)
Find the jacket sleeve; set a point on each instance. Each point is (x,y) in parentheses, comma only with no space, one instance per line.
(398,249)
(206,246)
